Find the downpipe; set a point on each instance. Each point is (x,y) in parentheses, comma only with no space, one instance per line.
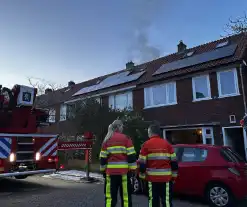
(242,86)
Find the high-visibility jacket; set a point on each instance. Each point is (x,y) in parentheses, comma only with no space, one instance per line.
(118,156)
(157,161)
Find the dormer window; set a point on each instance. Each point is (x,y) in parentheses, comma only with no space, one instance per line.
(188,54)
(222,44)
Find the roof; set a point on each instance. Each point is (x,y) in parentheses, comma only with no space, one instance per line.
(151,67)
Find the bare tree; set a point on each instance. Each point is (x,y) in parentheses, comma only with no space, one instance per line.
(237,25)
(42,85)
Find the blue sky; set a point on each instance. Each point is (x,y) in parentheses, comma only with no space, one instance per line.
(61,40)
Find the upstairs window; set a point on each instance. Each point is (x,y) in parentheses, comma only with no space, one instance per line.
(201,88)
(121,101)
(228,83)
(52,116)
(160,95)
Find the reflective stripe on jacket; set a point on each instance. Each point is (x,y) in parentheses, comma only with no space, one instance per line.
(118,155)
(157,161)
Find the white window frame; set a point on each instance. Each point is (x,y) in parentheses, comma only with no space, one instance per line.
(151,94)
(63,117)
(114,100)
(235,74)
(52,115)
(208,87)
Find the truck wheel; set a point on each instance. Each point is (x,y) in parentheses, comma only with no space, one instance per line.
(219,195)
(19,177)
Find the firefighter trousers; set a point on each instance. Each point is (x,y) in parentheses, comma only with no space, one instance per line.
(113,183)
(160,193)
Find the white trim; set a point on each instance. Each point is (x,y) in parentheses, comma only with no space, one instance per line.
(28,135)
(101,94)
(204,129)
(190,128)
(235,76)
(208,87)
(148,91)
(164,134)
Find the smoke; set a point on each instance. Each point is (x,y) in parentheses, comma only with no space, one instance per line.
(144,13)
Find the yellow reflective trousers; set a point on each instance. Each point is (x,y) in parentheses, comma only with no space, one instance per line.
(160,192)
(112,184)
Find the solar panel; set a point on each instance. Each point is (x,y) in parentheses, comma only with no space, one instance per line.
(113,80)
(198,59)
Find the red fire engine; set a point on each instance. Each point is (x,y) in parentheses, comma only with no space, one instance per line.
(23,152)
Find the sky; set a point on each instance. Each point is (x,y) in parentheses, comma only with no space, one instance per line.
(63,40)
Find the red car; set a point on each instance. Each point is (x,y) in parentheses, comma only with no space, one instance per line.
(214,172)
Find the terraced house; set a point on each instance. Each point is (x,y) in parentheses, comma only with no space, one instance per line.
(197,94)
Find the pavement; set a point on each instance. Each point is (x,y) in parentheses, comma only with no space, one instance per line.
(38,191)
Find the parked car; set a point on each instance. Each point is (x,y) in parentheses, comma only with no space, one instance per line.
(216,173)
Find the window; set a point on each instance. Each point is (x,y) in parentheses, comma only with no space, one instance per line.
(160,95)
(70,111)
(194,155)
(52,116)
(98,99)
(231,156)
(63,112)
(222,44)
(201,88)
(228,83)
(121,101)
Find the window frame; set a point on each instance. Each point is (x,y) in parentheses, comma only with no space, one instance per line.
(148,91)
(208,87)
(126,93)
(52,115)
(64,116)
(236,84)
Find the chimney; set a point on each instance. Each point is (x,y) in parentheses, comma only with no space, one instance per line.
(48,90)
(181,46)
(71,83)
(130,65)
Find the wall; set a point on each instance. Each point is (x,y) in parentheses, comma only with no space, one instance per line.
(187,112)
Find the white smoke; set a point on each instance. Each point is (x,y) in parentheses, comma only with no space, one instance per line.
(144,13)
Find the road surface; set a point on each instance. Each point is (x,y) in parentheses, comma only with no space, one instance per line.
(37,191)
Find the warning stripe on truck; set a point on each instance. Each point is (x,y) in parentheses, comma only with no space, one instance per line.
(5,147)
(49,148)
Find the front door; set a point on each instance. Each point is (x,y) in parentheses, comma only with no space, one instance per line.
(235,137)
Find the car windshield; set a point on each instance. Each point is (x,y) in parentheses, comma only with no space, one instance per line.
(231,156)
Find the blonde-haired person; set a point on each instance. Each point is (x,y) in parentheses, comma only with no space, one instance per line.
(117,159)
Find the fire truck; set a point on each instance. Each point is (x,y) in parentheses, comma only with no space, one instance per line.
(23,151)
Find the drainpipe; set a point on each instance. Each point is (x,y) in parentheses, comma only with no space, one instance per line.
(242,85)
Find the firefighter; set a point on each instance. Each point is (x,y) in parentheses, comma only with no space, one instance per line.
(117,161)
(158,165)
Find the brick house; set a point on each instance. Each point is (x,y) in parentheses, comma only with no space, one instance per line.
(197,94)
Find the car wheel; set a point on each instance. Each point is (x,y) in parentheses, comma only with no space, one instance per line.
(219,196)
(135,184)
